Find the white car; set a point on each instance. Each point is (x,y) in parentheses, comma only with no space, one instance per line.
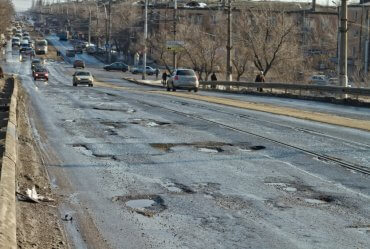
(183,79)
(137,70)
(82,78)
(319,80)
(194,4)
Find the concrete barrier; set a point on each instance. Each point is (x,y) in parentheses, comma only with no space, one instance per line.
(8,238)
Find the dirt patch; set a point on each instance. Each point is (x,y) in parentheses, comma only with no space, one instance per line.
(38,224)
(5,93)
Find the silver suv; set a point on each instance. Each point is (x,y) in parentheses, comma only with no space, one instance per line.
(183,79)
(82,78)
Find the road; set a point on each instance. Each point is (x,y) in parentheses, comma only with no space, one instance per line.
(140,168)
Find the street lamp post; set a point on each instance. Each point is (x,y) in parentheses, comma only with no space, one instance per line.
(343,78)
(174,59)
(145,38)
(229,43)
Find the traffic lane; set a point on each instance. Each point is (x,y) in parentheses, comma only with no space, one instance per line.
(63,46)
(202,217)
(176,173)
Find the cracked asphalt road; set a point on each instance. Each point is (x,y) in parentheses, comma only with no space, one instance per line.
(138,169)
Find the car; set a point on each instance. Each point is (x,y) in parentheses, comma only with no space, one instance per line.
(40,73)
(16,42)
(119,66)
(318,80)
(79,63)
(28,51)
(78,49)
(333,81)
(149,70)
(194,4)
(183,79)
(35,63)
(70,53)
(82,78)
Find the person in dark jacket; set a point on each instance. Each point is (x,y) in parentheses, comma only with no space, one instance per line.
(1,73)
(213,78)
(260,78)
(164,78)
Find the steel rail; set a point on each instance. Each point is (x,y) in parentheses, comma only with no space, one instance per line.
(323,157)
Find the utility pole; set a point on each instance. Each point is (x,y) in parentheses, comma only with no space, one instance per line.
(174,60)
(366,45)
(145,38)
(89,25)
(229,76)
(109,30)
(343,78)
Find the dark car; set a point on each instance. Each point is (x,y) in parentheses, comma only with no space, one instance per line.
(78,64)
(70,53)
(78,49)
(35,63)
(118,66)
(40,73)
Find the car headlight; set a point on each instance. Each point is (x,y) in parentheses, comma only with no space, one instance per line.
(78,78)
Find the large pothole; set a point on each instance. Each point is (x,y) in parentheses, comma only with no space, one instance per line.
(147,205)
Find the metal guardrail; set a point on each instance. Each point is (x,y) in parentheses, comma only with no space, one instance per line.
(295,87)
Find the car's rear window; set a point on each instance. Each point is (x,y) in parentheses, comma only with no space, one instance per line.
(186,72)
(83,73)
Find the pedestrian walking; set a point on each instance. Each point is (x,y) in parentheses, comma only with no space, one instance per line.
(1,73)
(156,73)
(164,78)
(213,78)
(260,78)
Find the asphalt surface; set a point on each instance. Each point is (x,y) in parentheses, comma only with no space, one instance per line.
(139,169)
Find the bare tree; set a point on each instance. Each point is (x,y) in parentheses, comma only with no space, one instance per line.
(205,51)
(271,35)
(6,11)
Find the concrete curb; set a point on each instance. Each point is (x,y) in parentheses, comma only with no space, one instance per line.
(8,238)
(140,82)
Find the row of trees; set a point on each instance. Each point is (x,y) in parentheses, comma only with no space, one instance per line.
(266,38)
(6,13)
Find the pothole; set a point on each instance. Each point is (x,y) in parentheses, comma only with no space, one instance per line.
(82,148)
(322,199)
(257,147)
(290,189)
(208,146)
(149,122)
(178,188)
(211,149)
(147,205)
(116,125)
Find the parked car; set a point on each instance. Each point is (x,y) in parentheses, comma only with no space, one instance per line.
(318,80)
(183,79)
(79,63)
(119,66)
(40,73)
(333,81)
(82,78)
(149,70)
(194,4)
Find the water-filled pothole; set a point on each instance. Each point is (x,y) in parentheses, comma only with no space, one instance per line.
(178,188)
(83,149)
(208,146)
(117,125)
(147,205)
